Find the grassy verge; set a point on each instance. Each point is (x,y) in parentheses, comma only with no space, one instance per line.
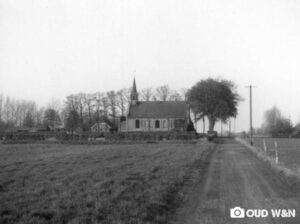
(283,170)
(51,183)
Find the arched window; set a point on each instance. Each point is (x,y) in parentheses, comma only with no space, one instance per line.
(157,124)
(137,123)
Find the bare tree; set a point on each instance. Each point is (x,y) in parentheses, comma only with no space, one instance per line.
(146,94)
(123,98)
(51,117)
(75,103)
(183,92)
(80,100)
(175,96)
(71,108)
(6,111)
(71,102)
(19,112)
(98,105)
(105,105)
(1,105)
(54,104)
(163,92)
(22,111)
(39,117)
(14,112)
(112,102)
(89,104)
(29,119)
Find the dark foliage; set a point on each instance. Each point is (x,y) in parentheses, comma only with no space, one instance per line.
(215,99)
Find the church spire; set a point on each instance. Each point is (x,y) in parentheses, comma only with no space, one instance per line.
(134,86)
(134,93)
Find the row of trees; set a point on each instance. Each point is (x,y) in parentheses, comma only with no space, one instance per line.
(78,110)
(26,113)
(211,98)
(215,99)
(82,110)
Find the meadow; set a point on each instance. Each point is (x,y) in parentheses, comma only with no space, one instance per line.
(52,183)
(288,151)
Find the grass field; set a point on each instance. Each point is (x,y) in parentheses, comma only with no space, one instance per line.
(288,151)
(93,184)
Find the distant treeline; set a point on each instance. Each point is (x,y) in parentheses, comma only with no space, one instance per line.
(277,125)
(77,111)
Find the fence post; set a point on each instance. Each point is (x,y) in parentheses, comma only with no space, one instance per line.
(265,146)
(276,152)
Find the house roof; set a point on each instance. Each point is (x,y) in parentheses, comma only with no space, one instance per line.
(102,120)
(100,123)
(158,109)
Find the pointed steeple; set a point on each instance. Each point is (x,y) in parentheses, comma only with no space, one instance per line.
(134,93)
(134,86)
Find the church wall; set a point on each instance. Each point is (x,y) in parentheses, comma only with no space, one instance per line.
(148,124)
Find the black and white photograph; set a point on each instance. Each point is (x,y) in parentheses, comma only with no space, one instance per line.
(149,112)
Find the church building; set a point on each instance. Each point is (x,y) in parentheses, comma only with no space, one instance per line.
(154,116)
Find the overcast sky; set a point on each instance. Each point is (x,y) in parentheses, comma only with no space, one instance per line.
(52,48)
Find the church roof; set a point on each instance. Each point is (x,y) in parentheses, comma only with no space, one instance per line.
(158,109)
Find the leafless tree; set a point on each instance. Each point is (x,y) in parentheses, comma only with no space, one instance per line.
(183,92)
(123,99)
(89,104)
(6,110)
(1,105)
(175,96)
(98,105)
(54,104)
(76,102)
(163,92)
(112,103)
(146,94)
(30,115)
(72,102)
(80,99)
(105,105)
(39,117)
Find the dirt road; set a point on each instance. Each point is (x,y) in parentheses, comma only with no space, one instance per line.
(230,175)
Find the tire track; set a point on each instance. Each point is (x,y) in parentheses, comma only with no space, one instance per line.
(229,175)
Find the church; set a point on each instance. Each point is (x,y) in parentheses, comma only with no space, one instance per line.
(155,116)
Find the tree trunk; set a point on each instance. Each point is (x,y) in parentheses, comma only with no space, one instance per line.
(211,122)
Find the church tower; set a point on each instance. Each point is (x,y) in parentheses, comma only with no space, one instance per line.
(134,94)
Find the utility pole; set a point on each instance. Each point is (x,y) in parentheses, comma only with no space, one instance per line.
(234,126)
(195,122)
(221,128)
(251,129)
(229,128)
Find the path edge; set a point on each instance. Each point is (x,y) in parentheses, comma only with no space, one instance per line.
(268,160)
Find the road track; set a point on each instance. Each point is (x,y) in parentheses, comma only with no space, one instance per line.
(229,175)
